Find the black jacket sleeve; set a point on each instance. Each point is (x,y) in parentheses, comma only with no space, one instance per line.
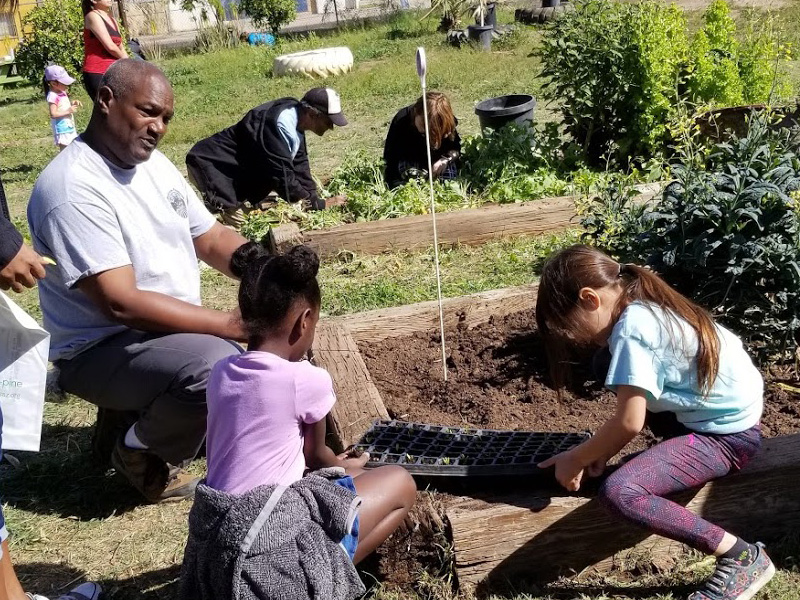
(292,177)
(392,151)
(10,238)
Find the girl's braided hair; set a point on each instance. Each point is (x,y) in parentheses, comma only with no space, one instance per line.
(270,285)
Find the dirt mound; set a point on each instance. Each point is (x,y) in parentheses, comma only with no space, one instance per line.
(496,380)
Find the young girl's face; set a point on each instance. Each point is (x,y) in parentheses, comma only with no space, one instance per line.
(57,86)
(599,307)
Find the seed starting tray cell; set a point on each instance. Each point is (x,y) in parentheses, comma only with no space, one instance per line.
(457,452)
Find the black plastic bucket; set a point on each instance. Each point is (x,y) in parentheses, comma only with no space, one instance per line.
(513,108)
(482,35)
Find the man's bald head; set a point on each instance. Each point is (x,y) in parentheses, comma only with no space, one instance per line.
(127,74)
(131,112)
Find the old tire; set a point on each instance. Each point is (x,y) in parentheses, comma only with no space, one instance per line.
(315,64)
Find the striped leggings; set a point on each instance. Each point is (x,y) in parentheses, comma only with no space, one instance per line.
(636,491)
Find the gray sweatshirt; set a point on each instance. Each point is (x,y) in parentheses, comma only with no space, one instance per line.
(273,542)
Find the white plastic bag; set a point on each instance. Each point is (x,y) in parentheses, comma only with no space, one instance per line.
(24,347)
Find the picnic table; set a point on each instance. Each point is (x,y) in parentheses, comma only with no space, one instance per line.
(8,73)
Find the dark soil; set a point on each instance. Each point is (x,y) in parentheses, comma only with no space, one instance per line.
(497,379)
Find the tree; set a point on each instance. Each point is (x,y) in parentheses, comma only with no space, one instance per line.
(272,13)
(55,37)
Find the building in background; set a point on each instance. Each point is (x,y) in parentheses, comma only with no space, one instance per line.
(11,13)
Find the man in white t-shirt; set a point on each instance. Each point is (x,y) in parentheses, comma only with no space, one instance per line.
(122,304)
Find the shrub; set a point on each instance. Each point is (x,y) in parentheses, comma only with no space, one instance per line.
(762,60)
(614,67)
(55,37)
(620,71)
(725,233)
(272,13)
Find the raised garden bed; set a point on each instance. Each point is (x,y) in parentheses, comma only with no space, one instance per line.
(387,364)
(472,226)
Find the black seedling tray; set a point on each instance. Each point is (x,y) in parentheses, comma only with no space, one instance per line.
(457,452)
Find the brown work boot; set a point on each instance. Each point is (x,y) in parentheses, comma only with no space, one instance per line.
(110,426)
(156,480)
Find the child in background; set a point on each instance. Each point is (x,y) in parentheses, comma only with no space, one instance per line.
(267,407)
(61,109)
(667,355)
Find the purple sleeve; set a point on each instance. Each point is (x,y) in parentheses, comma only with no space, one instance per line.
(315,397)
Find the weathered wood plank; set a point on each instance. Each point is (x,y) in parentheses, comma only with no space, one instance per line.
(358,401)
(283,237)
(515,537)
(469,226)
(472,310)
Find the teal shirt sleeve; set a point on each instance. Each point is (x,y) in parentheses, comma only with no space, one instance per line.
(634,363)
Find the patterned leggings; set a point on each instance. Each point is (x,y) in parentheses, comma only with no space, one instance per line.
(636,490)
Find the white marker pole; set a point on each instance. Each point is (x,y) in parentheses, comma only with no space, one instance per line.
(422,69)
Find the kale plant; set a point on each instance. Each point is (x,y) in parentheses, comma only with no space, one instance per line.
(725,233)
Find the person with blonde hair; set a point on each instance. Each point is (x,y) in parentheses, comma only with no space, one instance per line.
(405,153)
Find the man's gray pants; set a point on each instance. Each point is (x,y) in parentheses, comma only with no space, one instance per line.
(160,377)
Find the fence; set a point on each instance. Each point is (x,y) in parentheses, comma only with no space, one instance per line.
(164,17)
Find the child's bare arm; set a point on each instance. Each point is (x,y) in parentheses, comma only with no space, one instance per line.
(612,437)
(57,114)
(318,455)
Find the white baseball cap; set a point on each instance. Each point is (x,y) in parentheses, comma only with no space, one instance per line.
(328,102)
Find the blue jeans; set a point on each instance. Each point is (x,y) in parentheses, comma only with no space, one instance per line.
(349,542)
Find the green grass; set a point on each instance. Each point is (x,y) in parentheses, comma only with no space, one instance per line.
(70,519)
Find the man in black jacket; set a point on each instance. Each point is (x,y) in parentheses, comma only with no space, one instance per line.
(20,266)
(265,152)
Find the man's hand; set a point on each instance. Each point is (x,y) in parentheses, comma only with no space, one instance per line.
(340,200)
(23,270)
(569,472)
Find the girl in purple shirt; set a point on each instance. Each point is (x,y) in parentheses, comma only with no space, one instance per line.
(267,407)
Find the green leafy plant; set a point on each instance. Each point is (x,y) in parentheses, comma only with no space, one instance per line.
(620,71)
(726,233)
(270,13)
(450,12)
(763,57)
(613,68)
(715,50)
(54,36)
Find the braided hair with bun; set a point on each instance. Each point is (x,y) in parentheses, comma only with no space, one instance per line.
(271,284)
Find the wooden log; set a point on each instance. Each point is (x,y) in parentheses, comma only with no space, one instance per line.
(470,226)
(469,311)
(283,237)
(358,401)
(522,538)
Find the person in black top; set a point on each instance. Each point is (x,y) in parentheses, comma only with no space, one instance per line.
(265,152)
(20,266)
(404,150)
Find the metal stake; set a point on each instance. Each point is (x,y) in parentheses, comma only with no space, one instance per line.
(422,69)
